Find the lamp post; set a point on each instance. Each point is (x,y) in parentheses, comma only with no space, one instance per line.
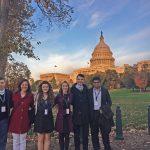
(88,64)
(149,119)
(119,132)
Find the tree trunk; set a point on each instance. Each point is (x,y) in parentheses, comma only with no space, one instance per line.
(4,11)
(3,63)
(140,90)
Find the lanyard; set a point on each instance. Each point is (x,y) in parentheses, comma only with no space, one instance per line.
(66,99)
(46,104)
(2,99)
(97,94)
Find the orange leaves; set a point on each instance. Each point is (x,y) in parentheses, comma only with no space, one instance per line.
(141,79)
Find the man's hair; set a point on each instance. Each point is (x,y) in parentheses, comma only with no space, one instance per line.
(1,78)
(80,75)
(96,78)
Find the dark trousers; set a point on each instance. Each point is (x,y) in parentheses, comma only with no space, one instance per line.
(95,126)
(81,133)
(64,141)
(3,133)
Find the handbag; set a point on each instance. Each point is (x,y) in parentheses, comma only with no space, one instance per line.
(33,110)
(31,115)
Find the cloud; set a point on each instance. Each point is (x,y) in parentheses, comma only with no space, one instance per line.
(73,24)
(65,63)
(144,6)
(108,8)
(97,18)
(141,35)
(43,37)
(85,4)
(134,38)
(132,58)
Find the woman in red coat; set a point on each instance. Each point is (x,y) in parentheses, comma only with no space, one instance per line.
(19,123)
(63,123)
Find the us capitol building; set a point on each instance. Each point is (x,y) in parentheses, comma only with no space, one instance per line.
(102,60)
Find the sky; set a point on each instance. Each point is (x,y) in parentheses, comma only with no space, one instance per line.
(126,29)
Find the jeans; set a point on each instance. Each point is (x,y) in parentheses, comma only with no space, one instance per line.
(3,133)
(19,141)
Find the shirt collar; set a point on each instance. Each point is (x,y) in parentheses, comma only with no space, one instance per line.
(94,89)
(79,87)
(2,92)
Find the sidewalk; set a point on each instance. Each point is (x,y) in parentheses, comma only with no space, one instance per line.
(133,140)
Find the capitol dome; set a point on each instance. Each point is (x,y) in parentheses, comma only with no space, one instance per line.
(102,55)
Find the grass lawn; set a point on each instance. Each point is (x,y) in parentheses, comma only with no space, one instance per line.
(134,106)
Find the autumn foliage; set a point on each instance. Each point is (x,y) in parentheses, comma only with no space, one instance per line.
(141,80)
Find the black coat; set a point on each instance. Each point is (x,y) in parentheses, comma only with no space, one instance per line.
(7,103)
(105,106)
(9,100)
(80,104)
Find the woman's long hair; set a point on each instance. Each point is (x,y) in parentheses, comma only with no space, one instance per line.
(50,93)
(19,86)
(61,90)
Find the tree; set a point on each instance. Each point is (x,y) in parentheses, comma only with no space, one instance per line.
(127,78)
(4,7)
(148,76)
(141,80)
(145,68)
(35,85)
(129,82)
(111,79)
(17,25)
(53,83)
(15,72)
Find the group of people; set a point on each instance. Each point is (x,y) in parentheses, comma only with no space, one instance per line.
(78,109)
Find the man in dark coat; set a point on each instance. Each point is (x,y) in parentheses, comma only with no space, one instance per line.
(80,112)
(101,116)
(5,105)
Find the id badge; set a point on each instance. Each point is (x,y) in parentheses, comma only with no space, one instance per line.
(46,112)
(3,109)
(95,103)
(67,111)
